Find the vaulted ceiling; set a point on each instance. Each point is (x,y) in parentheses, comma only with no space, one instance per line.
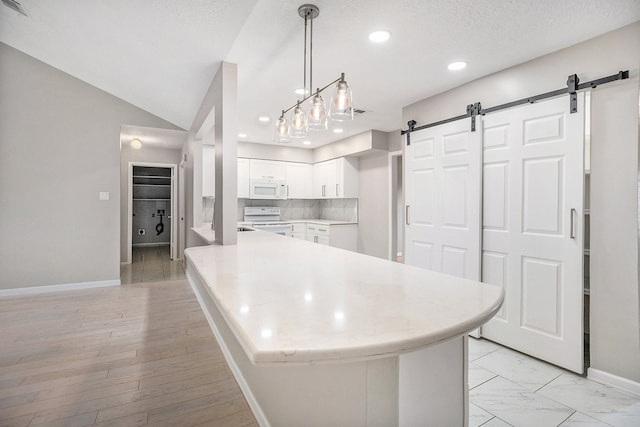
(161,55)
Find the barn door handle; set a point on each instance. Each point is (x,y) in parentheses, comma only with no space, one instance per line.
(406,214)
(573,224)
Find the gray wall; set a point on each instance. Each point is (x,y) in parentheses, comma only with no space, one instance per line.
(283,153)
(147,154)
(362,144)
(373,206)
(59,147)
(615,346)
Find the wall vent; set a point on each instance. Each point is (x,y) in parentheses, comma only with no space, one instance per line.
(13,4)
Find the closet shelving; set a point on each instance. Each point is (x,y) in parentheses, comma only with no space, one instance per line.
(148,185)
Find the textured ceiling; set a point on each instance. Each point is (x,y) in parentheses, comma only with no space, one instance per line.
(161,55)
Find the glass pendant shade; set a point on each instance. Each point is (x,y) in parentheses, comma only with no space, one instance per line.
(282,130)
(341,102)
(299,124)
(317,113)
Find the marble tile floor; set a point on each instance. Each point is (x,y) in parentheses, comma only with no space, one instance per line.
(151,264)
(508,388)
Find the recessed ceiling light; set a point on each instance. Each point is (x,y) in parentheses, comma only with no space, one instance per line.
(455,66)
(306,142)
(337,130)
(380,36)
(242,135)
(264,119)
(135,143)
(302,91)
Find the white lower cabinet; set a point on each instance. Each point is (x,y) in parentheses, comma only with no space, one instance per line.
(299,230)
(338,236)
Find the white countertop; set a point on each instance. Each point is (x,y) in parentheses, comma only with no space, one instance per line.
(322,221)
(288,300)
(205,232)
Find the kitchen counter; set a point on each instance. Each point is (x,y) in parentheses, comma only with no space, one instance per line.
(299,321)
(322,221)
(206,233)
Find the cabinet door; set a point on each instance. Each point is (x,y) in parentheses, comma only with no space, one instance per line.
(331,183)
(266,169)
(323,240)
(299,178)
(243,178)
(208,171)
(319,180)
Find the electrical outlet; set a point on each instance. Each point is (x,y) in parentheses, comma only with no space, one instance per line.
(103,195)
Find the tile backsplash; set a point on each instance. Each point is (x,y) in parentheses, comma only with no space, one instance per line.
(334,209)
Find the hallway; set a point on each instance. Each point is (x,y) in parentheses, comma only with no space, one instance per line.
(151,264)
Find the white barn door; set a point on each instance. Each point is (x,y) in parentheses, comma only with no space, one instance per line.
(533,174)
(443,197)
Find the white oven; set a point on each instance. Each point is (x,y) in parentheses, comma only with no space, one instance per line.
(267,219)
(267,189)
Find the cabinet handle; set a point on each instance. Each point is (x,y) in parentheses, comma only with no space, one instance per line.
(406,215)
(267,177)
(323,188)
(337,192)
(287,191)
(572,227)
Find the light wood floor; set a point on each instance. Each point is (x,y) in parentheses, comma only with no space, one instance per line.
(151,264)
(130,355)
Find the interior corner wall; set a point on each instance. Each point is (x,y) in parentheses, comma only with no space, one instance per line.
(394,141)
(373,205)
(145,154)
(59,147)
(614,320)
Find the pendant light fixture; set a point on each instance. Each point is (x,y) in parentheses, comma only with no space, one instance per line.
(317,119)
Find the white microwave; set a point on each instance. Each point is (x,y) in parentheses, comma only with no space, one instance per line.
(267,189)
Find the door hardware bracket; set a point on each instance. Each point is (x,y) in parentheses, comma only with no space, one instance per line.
(412,124)
(473,110)
(572,89)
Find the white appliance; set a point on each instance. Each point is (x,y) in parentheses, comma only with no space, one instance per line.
(267,189)
(267,219)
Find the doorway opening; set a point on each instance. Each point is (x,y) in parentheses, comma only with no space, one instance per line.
(152,226)
(396,206)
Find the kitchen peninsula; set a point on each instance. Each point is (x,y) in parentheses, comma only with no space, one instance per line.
(322,336)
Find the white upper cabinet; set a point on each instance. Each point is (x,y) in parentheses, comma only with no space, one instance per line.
(336,179)
(266,169)
(243,178)
(208,171)
(299,179)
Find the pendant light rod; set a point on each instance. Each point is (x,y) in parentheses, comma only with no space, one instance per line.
(304,77)
(311,56)
(313,93)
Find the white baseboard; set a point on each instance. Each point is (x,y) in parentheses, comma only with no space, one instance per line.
(613,380)
(235,370)
(57,288)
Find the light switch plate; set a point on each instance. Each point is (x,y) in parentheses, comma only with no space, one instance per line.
(104,195)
